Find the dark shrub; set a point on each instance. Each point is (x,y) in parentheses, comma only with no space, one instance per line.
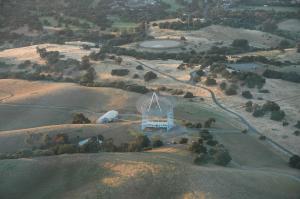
(197,147)
(223,85)
(249,106)
(120,72)
(272,74)
(150,76)
(297,133)
(140,67)
(188,95)
(79,118)
(137,88)
(157,143)
(201,159)
(258,112)
(247,94)
(134,147)
(298,125)
(240,43)
(262,137)
(270,106)
(183,141)
(222,157)
(209,122)
(245,131)
(210,82)
(284,44)
(93,145)
(198,125)
(143,141)
(264,91)
(206,136)
(25,64)
(285,123)
(108,145)
(85,63)
(89,76)
(212,142)
(294,162)
(277,115)
(135,76)
(230,91)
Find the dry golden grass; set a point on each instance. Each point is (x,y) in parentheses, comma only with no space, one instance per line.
(124,171)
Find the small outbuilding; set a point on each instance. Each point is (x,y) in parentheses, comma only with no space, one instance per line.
(108,117)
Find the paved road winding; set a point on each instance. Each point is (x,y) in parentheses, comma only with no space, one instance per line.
(250,127)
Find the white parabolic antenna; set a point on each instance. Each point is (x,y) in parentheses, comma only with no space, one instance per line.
(157,111)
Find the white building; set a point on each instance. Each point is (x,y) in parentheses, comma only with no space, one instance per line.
(110,116)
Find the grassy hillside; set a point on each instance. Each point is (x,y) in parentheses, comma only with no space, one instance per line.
(115,175)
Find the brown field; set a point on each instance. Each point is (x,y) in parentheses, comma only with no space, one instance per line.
(34,109)
(286,55)
(286,95)
(132,175)
(34,104)
(292,25)
(208,36)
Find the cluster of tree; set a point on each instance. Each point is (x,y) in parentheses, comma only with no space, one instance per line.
(187,57)
(24,65)
(80,118)
(197,125)
(247,94)
(210,81)
(207,149)
(258,19)
(268,107)
(51,57)
(290,76)
(4,65)
(261,59)
(128,86)
(150,76)
(297,125)
(171,90)
(207,124)
(188,95)
(241,43)
(179,25)
(231,50)
(294,161)
(251,80)
(35,76)
(67,21)
(231,90)
(62,144)
(119,72)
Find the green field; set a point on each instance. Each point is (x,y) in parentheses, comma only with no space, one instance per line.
(174,4)
(120,24)
(53,22)
(201,112)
